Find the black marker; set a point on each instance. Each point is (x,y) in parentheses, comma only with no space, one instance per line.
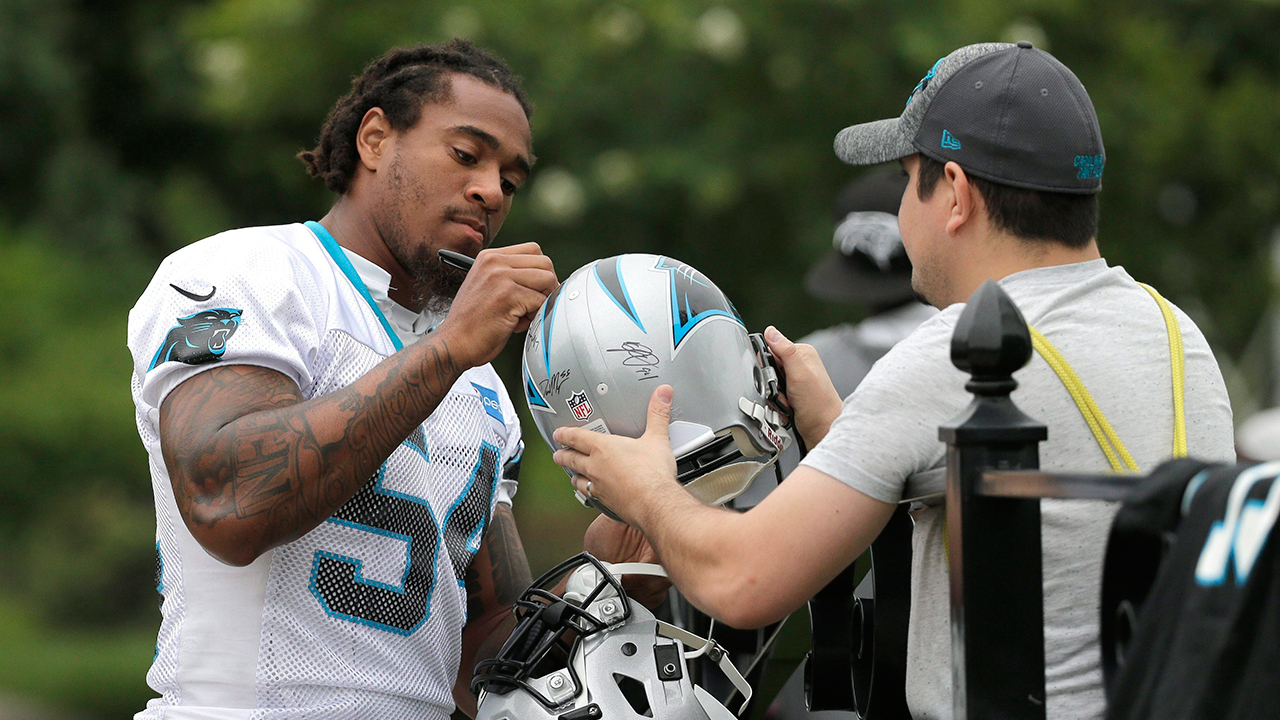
(456,259)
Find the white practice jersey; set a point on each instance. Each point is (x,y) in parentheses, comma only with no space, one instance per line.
(362,616)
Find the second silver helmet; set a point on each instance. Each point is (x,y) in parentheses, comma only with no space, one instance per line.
(619,327)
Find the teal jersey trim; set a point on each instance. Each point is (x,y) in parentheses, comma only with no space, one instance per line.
(340,258)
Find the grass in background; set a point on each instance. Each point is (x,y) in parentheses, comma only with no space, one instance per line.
(94,673)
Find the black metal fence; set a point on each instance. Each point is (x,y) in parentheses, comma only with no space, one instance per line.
(994,490)
(997,654)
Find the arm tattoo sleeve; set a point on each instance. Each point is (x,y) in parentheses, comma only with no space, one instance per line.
(498,580)
(498,576)
(253,465)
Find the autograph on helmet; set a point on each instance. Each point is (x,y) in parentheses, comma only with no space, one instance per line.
(640,358)
(553,383)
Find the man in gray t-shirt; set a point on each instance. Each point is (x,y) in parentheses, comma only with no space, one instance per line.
(1004,158)
(885,445)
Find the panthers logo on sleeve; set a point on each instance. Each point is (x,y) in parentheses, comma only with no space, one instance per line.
(198,338)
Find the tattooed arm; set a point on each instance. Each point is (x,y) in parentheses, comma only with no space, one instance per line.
(254,466)
(498,576)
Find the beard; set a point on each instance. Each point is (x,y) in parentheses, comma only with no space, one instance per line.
(434,283)
(929,287)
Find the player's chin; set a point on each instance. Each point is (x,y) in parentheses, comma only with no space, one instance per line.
(437,297)
(437,285)
(448,281)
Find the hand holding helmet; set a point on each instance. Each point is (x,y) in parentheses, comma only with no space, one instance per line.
(622,326)
(628,475)
(813,400)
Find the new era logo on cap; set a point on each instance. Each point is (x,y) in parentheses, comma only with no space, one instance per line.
(949,141)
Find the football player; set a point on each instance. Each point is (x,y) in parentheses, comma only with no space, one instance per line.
(332,455)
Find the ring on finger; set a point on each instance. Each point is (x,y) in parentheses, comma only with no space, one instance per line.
(588,490)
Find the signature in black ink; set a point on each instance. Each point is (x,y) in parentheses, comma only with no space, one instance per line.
(534,334)
(640,357)
(551,386)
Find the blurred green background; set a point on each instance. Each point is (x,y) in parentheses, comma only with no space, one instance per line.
(693,128)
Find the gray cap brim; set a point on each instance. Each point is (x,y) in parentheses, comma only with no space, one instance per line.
(874,142)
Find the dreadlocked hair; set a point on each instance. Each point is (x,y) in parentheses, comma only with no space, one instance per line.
(401,82)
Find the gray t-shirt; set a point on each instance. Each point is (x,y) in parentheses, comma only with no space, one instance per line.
(885,444)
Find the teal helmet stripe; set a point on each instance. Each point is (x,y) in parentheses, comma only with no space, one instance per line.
(531,391)
(692,300)
(548,319)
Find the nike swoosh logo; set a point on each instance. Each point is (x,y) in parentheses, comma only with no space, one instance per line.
(193,296)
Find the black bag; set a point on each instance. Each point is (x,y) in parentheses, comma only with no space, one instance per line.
(1207,639)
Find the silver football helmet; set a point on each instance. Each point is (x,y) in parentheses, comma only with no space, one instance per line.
(619,327)
(596,654)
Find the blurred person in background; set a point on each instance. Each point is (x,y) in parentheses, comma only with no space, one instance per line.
(868,269)
(1258,436)
(332,456)
(1004,158)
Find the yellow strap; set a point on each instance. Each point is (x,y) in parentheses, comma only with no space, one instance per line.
(1117,454)
(1178,361)
(1102,431)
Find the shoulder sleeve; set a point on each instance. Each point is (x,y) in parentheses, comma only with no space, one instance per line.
(242,297)
(509,478)
(888,428)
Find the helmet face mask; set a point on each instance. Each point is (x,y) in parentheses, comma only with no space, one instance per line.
(595,653)
(619,327)
(548,632)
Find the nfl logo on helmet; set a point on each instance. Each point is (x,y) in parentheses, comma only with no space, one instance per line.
(580,405)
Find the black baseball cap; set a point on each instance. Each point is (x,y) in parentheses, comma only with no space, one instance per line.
(1008,113)
(868,265)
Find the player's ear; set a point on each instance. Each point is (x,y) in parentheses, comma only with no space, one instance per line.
(372,139)
(964,198)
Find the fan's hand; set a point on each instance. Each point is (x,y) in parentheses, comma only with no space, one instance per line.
(811,398)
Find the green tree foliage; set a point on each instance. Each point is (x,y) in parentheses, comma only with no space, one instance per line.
(696,128)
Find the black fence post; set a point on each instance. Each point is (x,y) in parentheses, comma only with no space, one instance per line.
(997,604)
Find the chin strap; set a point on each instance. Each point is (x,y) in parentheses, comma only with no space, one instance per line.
(585,578)
(768,419)
(713,651)
(705,646)
(635,568)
